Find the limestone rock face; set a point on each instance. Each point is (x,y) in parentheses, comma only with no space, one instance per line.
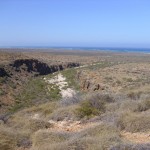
(33,65)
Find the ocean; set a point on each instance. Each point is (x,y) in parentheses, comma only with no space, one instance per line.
(106,49)
(110,49)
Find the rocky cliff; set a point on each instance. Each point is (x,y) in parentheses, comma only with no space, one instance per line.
(33,65)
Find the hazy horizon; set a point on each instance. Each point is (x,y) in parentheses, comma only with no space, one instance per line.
(74,47)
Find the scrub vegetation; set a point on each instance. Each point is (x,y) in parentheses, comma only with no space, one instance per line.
(109,108)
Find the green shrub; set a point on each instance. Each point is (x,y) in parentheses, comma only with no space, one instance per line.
(96,105)
(87,109)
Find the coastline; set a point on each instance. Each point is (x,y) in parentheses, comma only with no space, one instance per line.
(77,49)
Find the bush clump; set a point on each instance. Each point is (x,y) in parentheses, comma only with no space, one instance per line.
(95,105)
(134,122)
(35,124)
(143,105)
(87,109)
(100,137)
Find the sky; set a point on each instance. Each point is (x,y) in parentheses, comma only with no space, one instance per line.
(75,23)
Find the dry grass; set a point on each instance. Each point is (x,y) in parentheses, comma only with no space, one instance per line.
(28,123)
(125,107)
(44,109)
(132,105)
(88,139)
(128,146)
(67,112)
(138,137)
(44,137)
(134,122)
(10,139)
(143,105)
(35,125)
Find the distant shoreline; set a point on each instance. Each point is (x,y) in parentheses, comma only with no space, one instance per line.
(89,49)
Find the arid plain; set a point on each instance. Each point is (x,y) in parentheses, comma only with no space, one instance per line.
(74,100)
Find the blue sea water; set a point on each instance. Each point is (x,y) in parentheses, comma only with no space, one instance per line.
(128,50)
(106,49)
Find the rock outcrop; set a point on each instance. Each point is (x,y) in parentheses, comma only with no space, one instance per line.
(33,65)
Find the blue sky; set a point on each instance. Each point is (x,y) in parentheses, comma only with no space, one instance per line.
(90,23)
